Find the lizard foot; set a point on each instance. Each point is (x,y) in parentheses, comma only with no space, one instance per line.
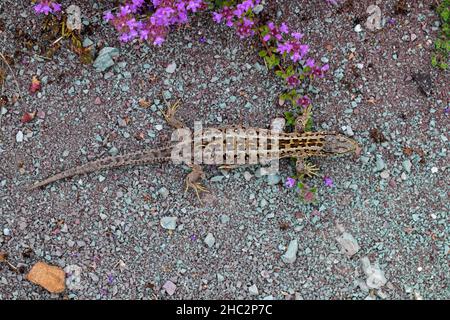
(191,181)
(306,168)
(169,115)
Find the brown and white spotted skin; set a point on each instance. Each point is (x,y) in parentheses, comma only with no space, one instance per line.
(278,145)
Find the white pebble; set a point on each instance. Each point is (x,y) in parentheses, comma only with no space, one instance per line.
(6,232)
(171,67)
(291,253)
(253,290)
(358,28)
(169,223)
(19,136)
(210,240)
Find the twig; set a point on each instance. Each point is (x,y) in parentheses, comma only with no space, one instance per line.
(12,71)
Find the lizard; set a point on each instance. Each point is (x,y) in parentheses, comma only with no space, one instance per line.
(298,144)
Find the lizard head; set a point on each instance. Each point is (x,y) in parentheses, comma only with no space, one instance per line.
(339,144)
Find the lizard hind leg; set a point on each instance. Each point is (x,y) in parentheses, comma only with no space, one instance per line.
(305,168)
(169,115)
(192,181)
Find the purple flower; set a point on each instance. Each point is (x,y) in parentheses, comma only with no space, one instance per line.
(43,7)
(56,7)
(193,5)
(290,182)
(284,28)
(447,110)
(193,237)
(292,81)
(325,68)
(108,16)
(297,35)
(328,182)
(284,47)
(310,63)
(158,41)
(217,17)
(304,101)
(110,279)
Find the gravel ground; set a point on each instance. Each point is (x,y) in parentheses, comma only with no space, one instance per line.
(389,204)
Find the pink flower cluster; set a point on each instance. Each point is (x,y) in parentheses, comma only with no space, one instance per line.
(153,28)
(237,17)
(47,6)
(285,43)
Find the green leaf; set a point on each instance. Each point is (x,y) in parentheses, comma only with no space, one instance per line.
(434,62)
(262,53)
(280,74)
(445,14)
(309,124)
(290,119)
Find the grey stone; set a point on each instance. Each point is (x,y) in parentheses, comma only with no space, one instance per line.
(217,179)
(253,290)
(105,57)
(224,218)
(348,243)
(379,164)
(375,277)
(273,179)
(113,151)
(171,67)
(384,174)
(169,223)
(247,176)
(87,42)
(163,192)
(19,136)
(291,253)
(210,240)
(407,165)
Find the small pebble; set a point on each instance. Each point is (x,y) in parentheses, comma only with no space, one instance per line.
(169,223)
(210,240)
(253,290)
(171,67)
(19,136)
(291,253)
(170,287)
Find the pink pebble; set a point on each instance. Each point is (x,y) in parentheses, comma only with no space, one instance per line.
(170,287)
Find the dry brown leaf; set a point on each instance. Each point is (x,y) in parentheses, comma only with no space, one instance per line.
(3,256)
(28,116)
(35,85)
(51,278)
(372,101)
(408,151)
(144,103)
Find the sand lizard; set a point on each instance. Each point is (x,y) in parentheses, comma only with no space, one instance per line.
(298,144)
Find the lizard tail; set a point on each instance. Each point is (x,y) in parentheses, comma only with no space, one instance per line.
(136,158)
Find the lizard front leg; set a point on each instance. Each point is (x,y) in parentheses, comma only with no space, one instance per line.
(169,115)
(302,120)
(192,180)
(305,168)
